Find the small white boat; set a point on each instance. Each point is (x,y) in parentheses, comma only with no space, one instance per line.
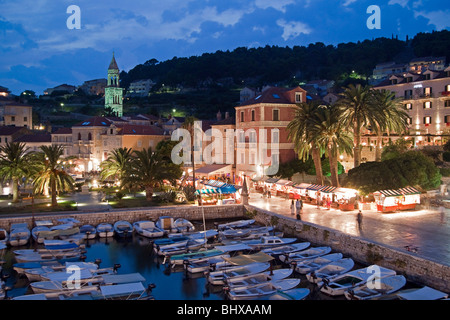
(191,257)
(192,244)
(208,234)
(292,294)
(424,293)
(261,290)
(249,233)
(310,253)
(44,272)
(332,269)
(4,236)
(286,249)
(105,230)
(53,256)
(309,265)
(89,231)
(19,234)
(338,285)
(123,229)
(268,241)
(217,277)
(147,229)
(385,286)
(183,225)
(41,233)
(259,278)
(235,224)
(211,263)
(166,223)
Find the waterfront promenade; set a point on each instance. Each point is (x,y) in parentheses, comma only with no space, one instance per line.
(428,230)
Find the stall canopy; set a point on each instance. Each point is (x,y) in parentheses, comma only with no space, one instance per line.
(399,192)
(282,182)
(260,179)
(271,180)
(213,169)
(221,187)
(207,191)
(314,187)
(302,186)
(327,189)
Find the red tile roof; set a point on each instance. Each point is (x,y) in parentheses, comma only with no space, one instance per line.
(131,129)
(274,95)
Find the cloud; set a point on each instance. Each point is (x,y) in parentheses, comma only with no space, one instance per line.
(437,18)
(292,29)
(402,3)
(348,2)
(279,5)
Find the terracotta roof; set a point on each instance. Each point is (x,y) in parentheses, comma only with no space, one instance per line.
(63,131)
(94,122)
(132,129)
(41,137)
(226,121)
(9,130)
(274,95)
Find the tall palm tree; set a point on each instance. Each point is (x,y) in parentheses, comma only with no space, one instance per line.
(149,169)
(189,124)
(117,165)
(14,165)
(329,131)
(357,112)
(50,173)
(390,117)
(304,139)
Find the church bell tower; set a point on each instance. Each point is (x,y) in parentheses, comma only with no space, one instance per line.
(113,91)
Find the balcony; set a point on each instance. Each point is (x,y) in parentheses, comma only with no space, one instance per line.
(85,143)
(445,93)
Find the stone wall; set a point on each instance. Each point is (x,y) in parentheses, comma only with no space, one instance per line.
(192,213)
(415,269)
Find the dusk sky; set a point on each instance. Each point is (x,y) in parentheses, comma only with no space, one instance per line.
(39,51)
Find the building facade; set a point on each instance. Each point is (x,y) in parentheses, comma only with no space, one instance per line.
(16,114)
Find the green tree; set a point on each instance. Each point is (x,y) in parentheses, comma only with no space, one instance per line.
(15,165)
(117,165)
(149,169)
(305,139)
(49,173)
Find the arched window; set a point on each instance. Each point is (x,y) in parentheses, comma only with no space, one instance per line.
(89,136)
(79,135)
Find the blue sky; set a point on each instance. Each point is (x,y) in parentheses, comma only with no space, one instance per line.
(38,50)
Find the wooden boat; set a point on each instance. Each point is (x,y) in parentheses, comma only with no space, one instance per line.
(89,231)
(261,290)
(339,284)
(217,277)
(183,225)
(259,278)
(147,229)
(385,286)
(19,234)
(332,269)
(292,294)
(310,253)
(105,230)
(235,224)
(286,249)
(123,229)
(309,265)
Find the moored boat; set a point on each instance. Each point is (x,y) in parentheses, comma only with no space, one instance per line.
(310,253)
(147,229)
(309,265)
(123,229)
(183,225)
(105,230)
(385,286)
(89,231)
(332,269)
(259,278)
(261,290)
(19,234)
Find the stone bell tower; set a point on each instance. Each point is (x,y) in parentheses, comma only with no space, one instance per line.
(113,91)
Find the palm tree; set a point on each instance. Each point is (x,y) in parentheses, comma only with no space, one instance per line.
(50,173)
(329,131)
(117,165)
(14,165)
(357,112)
(390,116)
(149,169)
(189,124)
(303,138)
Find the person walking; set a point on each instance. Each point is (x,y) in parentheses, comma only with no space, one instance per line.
(292,207)
(298,207)
(359,219)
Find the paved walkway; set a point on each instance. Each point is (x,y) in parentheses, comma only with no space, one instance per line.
(428,230)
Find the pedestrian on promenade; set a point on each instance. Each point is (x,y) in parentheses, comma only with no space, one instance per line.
(292,207)
(359,219)
(299,207)
(328,203)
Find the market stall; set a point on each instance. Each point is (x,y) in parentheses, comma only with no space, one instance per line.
(258,183)
(313,193)
(298,191)
(225,193)
(394,200)
(346,198)
(281,187)
(208,196)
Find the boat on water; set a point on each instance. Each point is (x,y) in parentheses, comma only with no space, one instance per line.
(208,234)
(309,265)
(123,229)
(235,224)
(105,230)
(45,272)
(217,277)
(212,264)
(147,229)
(310,253)
(191,245)
(424,293)
(166,223)
(89,231)
(261,290)
(19,234)
(256,279)
(41,233)
(50,256)
(339,284)
(183,225)
(332,269)
(286,249)
(4,236)
(268,241)
(291,294)
(385,286)
(190,257)
(248,233)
